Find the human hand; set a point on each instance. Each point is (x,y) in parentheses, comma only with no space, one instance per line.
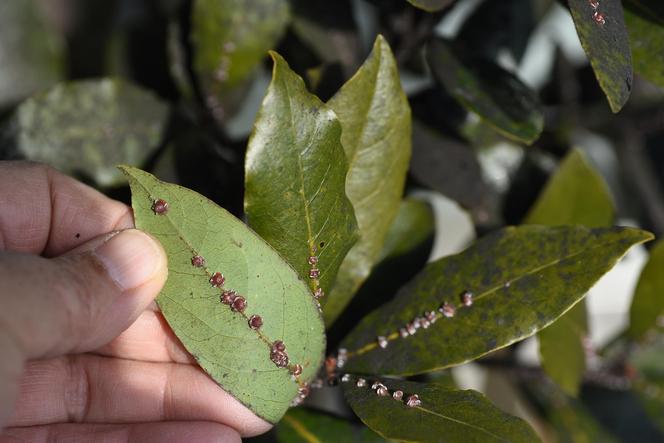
(85,354)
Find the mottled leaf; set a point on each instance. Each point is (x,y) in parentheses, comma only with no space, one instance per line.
(295,175)
(306,426)
(645,22)
(234,355)
(603,35)
(31,52)
(483,87)
(575,194)
(375,117)
(229,40)
(431,5)
(412,226)
(648,301)
(90,126)
(522,279)
(445,415)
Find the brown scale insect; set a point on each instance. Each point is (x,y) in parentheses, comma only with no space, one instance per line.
(318,293)
(313,260)
(160,207)
(227,297)
(255,321)
(217,279)
(599,18)
(397,395)
(198,261)
(382,391)
(413,401)
(447,309)
(279,358)
(239,304)
(467,298)
(297,370)
(314,273)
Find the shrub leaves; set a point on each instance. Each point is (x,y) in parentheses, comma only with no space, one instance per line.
(375,117)
(295,175)
(522,278)
(444,415)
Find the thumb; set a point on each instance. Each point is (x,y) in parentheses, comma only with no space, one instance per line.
(83,299)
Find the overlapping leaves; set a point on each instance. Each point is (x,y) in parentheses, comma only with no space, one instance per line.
(575,194)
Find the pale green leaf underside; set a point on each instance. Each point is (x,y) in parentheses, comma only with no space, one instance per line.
(221,341)
(375,116)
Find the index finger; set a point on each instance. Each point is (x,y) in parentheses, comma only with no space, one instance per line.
(43,211)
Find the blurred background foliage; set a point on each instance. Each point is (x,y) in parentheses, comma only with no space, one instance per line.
(512,123)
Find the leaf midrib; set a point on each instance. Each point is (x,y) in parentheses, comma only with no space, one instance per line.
(463,423)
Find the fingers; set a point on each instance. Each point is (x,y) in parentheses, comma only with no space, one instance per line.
(79,301)
(149,338)
(165,432)
(89,388)
(46,212)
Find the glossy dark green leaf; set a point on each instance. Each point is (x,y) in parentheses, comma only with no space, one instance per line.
(234,355)
(376,137)
(31,51)
(575,194)
(295,175)
(648,301)
(301,425)
(90,126)
(603,35)
(431,5)
(522,279)
(413,225)
(445,415)
(645,22)
(481,86)
(229,40)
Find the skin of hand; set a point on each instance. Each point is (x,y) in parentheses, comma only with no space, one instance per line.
(85,353)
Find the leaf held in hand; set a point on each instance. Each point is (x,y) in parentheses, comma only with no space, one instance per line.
(217,331)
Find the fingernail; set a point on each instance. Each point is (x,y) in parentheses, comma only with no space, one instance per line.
(131,258)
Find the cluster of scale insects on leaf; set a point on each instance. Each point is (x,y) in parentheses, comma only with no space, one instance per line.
(237,303)
(335,363)
(597,15)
